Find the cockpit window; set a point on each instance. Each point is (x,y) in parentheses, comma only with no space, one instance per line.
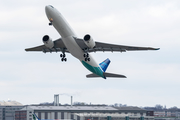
(51,6)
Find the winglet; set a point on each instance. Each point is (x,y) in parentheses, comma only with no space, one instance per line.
(105,64)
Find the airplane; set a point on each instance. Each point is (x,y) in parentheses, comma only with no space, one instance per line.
(78,47)
(35,117)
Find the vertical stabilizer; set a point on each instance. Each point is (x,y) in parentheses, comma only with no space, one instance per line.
(35,117)
(105,64)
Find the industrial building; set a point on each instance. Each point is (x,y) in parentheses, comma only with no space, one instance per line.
(82,113)
(8,112)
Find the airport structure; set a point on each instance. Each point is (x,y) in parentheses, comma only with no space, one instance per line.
(8,108)
(82,113)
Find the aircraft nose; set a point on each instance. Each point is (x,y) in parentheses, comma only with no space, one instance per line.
(48,11)
(47,8)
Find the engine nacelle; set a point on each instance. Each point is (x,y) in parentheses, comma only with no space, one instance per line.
(48,41)
(89,41)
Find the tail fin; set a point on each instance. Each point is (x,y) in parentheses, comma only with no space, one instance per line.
(35,117)
(105,64)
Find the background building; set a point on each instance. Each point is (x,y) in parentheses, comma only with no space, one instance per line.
(82,112)
(163,113)
(7,109)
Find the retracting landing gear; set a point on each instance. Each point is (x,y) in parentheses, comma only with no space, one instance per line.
(63,57)
(50,23)
(86,56)
(51,20)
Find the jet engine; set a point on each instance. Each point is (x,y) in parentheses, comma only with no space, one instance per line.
(48,41)
(88,40)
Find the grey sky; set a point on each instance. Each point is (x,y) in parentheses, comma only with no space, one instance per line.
(152,76)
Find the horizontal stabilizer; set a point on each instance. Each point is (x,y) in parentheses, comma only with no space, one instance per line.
(106,75)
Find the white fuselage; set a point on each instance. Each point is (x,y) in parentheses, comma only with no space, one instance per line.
(67,35)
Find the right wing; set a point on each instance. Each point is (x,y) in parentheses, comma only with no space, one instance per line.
(58,46)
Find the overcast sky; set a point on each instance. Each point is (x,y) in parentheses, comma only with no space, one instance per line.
(153,77)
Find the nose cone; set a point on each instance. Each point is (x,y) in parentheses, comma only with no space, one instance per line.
(47,9)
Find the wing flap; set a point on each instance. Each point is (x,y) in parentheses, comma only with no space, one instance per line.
(122,47)
(110,47)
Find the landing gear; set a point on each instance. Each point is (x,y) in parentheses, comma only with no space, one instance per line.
(86,56)
(63,57)
(50,23)
(51,20)
(87,59)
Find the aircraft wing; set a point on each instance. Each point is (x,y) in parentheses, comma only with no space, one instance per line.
(58,46)
(111,47)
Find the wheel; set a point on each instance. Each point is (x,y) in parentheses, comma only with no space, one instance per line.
(65,59)
(87,55)
(84,55)
(85,59)
(61,55)
(88,59)
(64,55)
(62,59)
(50,24)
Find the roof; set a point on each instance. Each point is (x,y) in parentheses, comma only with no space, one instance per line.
(82,108)
(68,108)
(112,115)
(10,103)
(130,108)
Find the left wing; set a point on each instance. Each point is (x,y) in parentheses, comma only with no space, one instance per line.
(111,47)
